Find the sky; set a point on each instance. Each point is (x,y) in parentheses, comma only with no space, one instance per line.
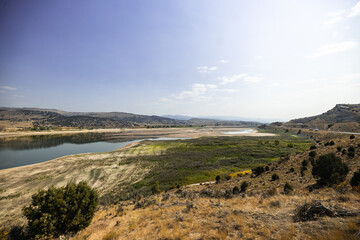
(253,59)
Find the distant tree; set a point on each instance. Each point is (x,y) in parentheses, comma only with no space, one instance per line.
(329,169)
(59,211)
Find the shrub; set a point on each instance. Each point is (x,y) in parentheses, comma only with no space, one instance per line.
(271,191)
(57,211)
(290,145)
(258,170)
(339,148)
(352,137)
(344,151)
(304,163)
(288,188)
(236,190)
(299,132)
(155,188)
(274,177)
(312,154)
(312,147)
(244,185)
(355,180)
(329,169)
(331,143)
(267,168)
(277,142)
(217,178)
(292,169)
(228,177)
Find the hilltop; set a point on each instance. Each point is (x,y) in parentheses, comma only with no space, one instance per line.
(27,118)
(343,117)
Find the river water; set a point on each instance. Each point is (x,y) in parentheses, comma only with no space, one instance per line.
(22,151)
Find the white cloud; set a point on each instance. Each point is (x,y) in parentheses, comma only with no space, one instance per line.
(8,88)
(206,69)
(335,48)
(253,79)
(355,10)
(226,80)
(197,91)
(334,17)
(223,61)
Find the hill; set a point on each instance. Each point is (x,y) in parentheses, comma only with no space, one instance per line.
(343,117)
(26,118)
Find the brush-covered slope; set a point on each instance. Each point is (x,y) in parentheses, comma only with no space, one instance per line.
(343,117)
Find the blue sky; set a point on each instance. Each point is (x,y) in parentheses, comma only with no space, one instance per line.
(255,59)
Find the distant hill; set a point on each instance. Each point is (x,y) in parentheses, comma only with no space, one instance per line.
(21,118)
(343,117)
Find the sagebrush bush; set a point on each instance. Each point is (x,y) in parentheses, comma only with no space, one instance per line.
(312,147)
(63,210)
(244,185)
(274,177)
(258,170)
(329,169)
(288,188)
(236,190)
(355,180)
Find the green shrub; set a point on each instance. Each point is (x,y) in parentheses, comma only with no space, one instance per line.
(339,148)
(244,185)
(329,169)
(290,145)
(288,188)
(355,180)
(217,178)
(304,163)
(236,190)
(274,177)
(332,143)
(292,169)
(267,168)
(277,142)
(258,170)
(63,210)
(352,137)
(312,147)
(3,233)
(155,189)
(312,154)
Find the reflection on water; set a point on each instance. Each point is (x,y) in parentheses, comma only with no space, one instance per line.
(22,151)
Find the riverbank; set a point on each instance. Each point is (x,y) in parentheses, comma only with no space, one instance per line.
(145,132)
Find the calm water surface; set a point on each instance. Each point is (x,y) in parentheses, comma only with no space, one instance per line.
(22,151)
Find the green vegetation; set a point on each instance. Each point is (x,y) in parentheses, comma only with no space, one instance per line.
(63,210)
(352,137)
(355,180)
(274,177)
(351,151)
(288,188)
(312,147)
(329,169)
(244,185)
(190,161)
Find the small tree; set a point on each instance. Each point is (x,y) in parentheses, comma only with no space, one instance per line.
(58,211)
(329,169)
